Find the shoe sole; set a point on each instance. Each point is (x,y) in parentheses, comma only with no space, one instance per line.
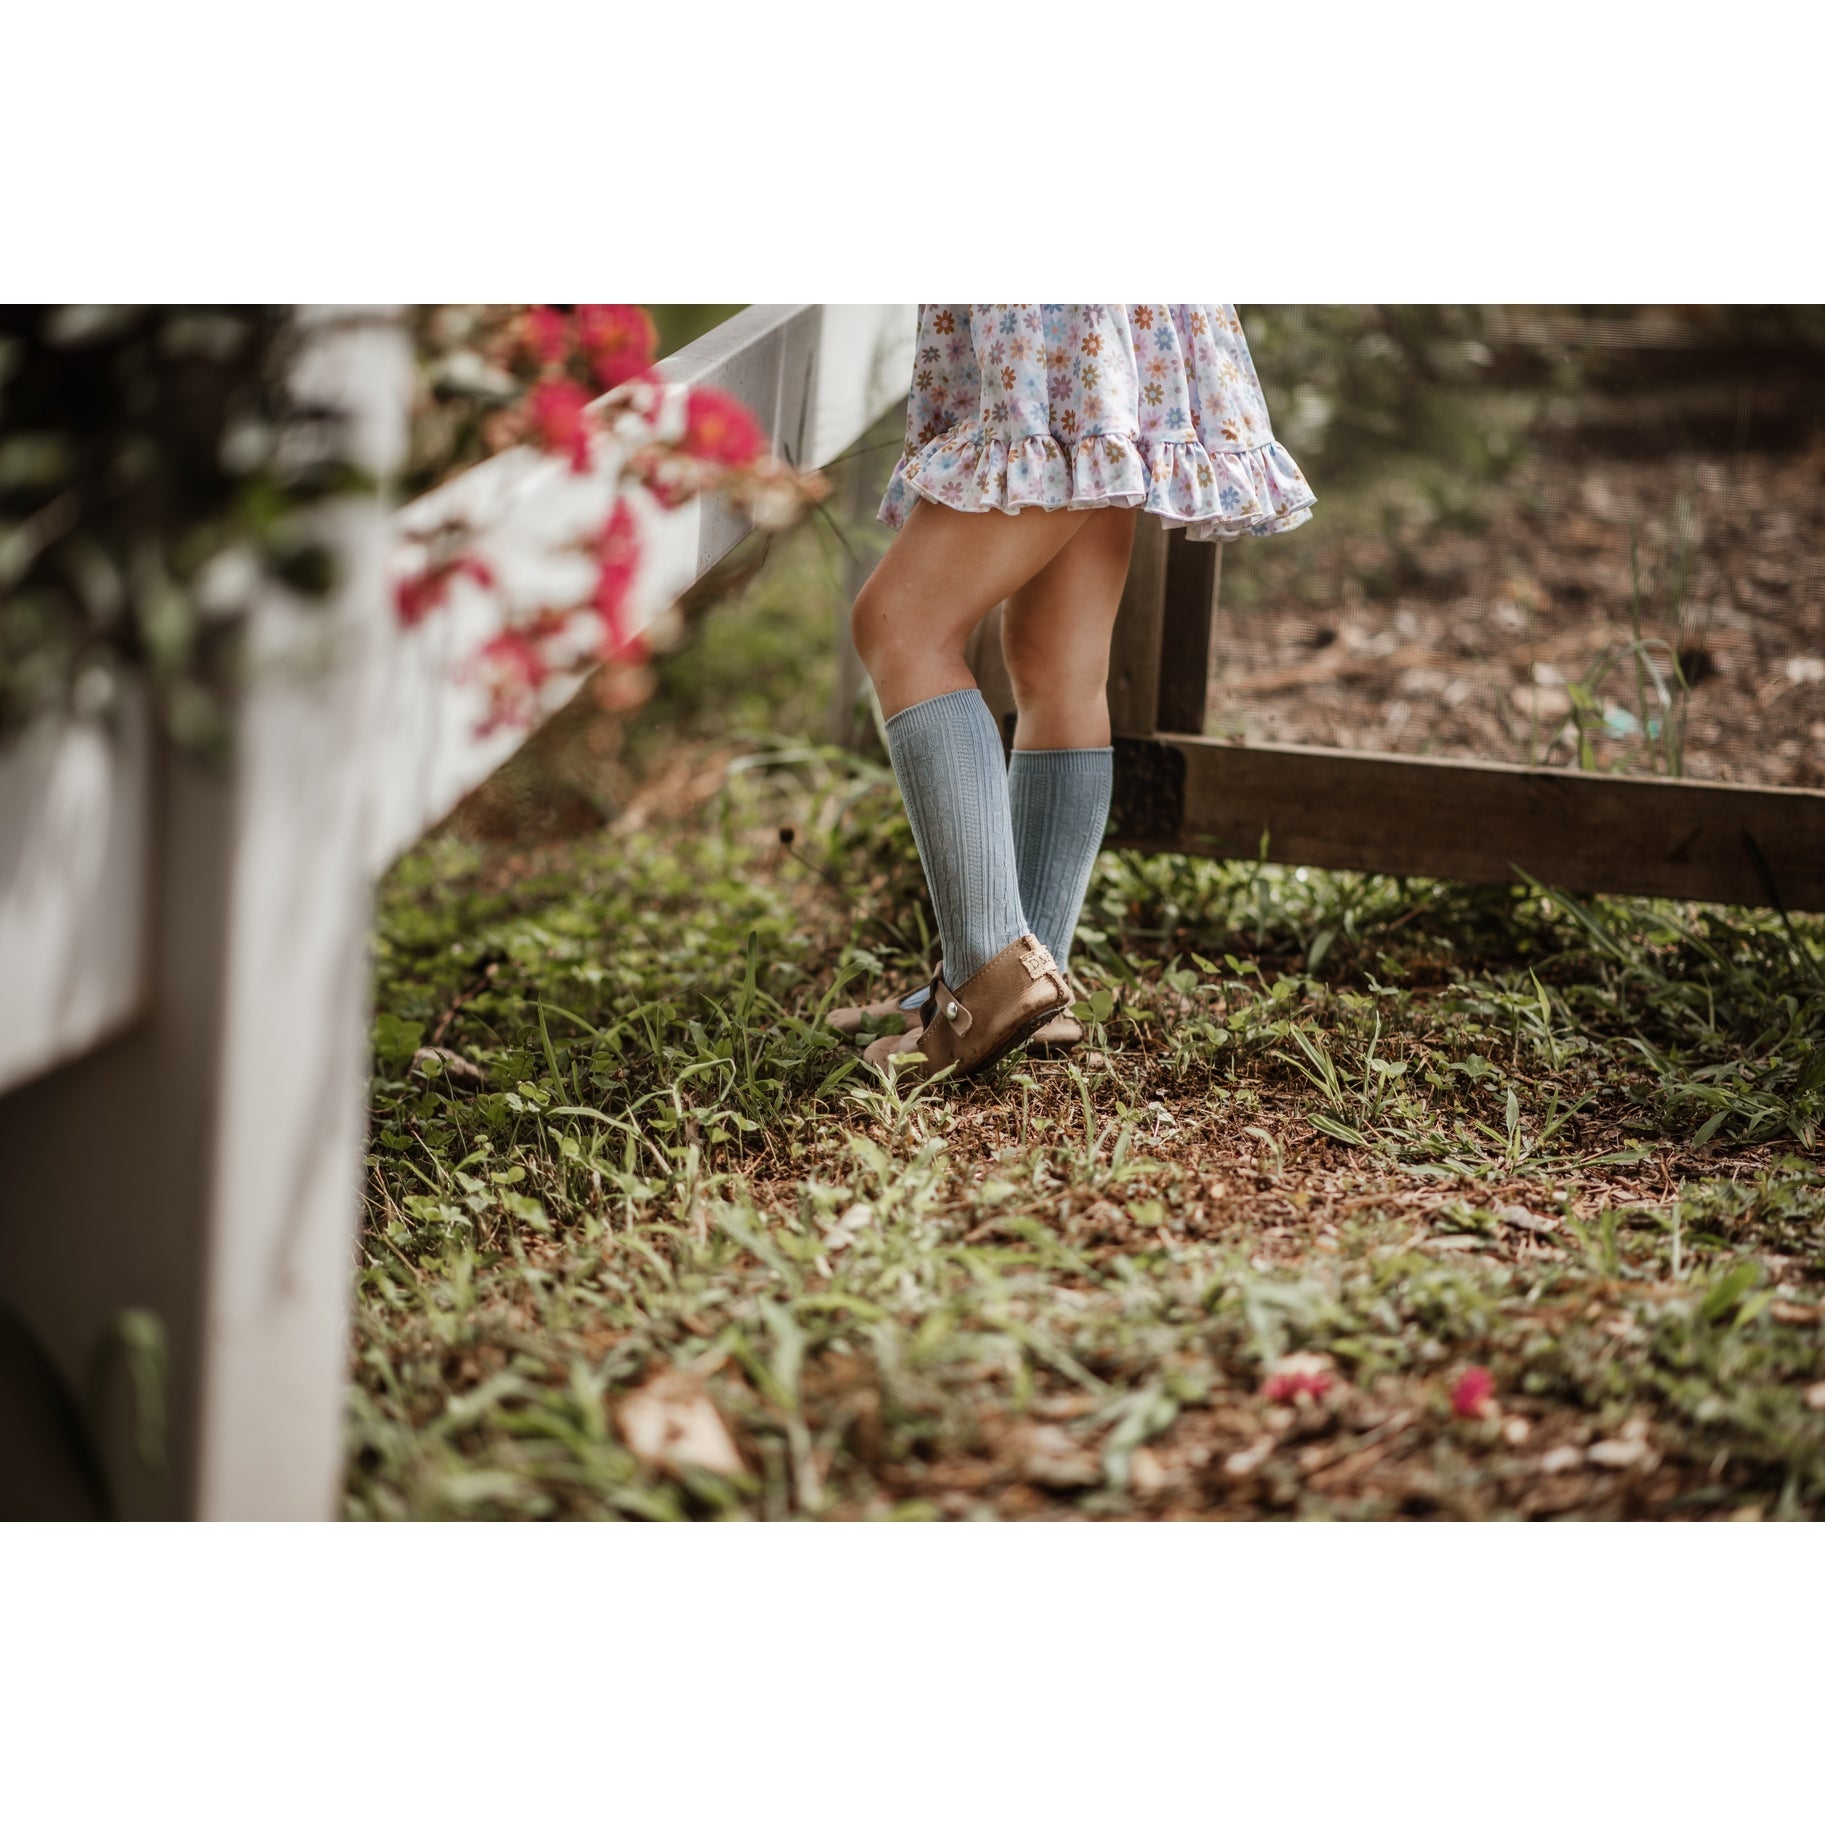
(1014,1041)
(1047,1048)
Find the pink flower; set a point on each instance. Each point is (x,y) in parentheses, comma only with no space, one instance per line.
(617,561)
(416,597)
(546,335)
(514,654)
(1470,1398)
(512,667)
(1288,1388)
(619,340)
(720,429)
(558,421)
(1306,1372)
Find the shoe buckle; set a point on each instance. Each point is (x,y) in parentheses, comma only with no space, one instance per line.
(945,1002)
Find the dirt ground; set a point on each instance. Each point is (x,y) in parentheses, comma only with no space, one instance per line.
(1500,641)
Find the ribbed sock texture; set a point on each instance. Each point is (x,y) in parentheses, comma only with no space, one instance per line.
(946,755)
(1058,799)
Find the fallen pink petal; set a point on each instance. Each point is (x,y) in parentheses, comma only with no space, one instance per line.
(1305,1372)
(1471,1396)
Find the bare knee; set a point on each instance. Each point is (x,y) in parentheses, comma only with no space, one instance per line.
(880,626)
(910,653)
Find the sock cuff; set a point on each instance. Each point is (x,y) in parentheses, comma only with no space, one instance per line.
(1063,760)
(936,710)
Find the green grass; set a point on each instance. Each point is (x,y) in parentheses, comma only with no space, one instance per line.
(1407,1127)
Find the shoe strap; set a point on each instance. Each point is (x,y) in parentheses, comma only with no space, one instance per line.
(944,1001)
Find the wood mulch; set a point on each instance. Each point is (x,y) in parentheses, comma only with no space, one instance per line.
(1448,640)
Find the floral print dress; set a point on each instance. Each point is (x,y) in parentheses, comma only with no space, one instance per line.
(1094,405)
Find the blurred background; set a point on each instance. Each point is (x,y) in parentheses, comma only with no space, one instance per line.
(1580,536)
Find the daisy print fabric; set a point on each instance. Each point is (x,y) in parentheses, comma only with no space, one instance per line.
(1094,405)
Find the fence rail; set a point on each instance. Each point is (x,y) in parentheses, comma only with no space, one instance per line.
(1465,820)
(816,376)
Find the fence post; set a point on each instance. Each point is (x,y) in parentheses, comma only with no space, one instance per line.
(1188,625)
(857,568)
(179,1230)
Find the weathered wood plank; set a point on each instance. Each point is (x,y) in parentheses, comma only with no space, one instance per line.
(1194,568)
(291,1085)
(862,494)
(762,356)
(74,811)
(864,367)
(801,345)
(93,1228)
(1471,821)
(1160,652)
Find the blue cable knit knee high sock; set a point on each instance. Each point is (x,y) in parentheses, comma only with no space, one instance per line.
(946,755)
(1059,801)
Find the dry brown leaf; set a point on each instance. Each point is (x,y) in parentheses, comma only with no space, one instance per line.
(1789,1311)
(1246,1462)
(1543,702)
(673,1423)
(456,1070)
(1518,1216)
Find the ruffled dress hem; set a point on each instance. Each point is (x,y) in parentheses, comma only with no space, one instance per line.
(1213,494)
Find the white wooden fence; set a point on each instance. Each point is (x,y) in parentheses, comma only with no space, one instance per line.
(184,981)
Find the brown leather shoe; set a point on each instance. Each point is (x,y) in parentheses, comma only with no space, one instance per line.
(1059,1034)
(1016,993)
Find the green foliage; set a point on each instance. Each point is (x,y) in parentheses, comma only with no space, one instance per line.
(152,474)
(1353,387)
(679,324)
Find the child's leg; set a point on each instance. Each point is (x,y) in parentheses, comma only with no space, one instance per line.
(938,579)
(943,573)
(1055,638)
